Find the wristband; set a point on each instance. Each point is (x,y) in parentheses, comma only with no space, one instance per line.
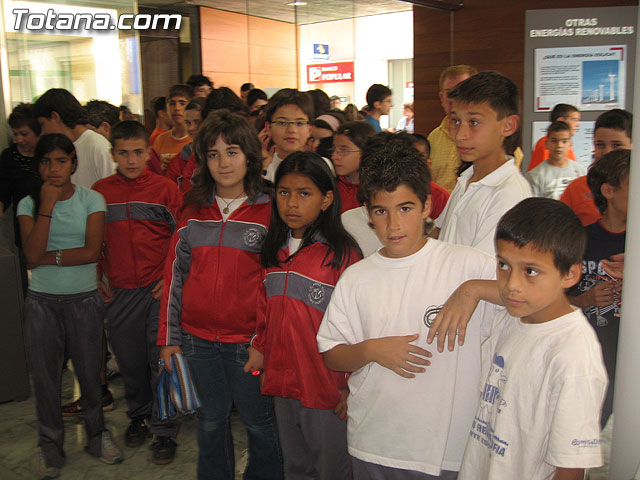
(44,215)
(59,258)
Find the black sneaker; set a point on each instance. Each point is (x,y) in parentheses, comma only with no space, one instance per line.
(136,432)
(163,450)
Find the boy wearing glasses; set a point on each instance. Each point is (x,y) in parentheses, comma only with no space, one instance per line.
(288,124)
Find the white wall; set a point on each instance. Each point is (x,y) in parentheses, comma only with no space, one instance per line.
(369,41)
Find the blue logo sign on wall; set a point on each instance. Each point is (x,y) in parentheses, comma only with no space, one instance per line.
(320,51)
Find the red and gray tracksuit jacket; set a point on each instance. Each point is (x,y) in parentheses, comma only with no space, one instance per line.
(294,299)
(348,194)
(212,273)
(141,217)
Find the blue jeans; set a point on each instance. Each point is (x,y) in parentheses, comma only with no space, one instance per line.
(217,371)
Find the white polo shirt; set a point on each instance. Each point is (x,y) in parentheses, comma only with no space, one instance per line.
(472,214)
(94,159)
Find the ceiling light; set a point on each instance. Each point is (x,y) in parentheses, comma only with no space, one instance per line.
(296,4)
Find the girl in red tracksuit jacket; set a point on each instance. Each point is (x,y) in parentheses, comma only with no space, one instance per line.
(303,255)
(209,301)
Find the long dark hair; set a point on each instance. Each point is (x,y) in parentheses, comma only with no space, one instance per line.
(328,224)
(235,130)
(47,144)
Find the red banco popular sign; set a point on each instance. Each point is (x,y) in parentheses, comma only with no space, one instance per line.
(330,72)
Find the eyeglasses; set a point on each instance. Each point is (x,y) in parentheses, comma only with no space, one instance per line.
(283,124)
(341,152)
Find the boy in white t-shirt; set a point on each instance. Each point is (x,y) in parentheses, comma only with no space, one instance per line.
(551,177)
(484,123)
(545,381)
(405,421)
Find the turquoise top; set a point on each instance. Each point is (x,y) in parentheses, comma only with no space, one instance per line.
(67,230)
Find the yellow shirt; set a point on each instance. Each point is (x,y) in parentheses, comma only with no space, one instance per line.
(446,159)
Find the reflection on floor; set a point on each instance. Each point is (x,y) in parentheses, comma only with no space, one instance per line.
(18,444)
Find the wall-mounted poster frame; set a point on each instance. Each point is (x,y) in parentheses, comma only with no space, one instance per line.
(584,57)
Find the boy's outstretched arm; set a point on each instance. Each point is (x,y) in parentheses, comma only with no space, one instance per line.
(397,354)
(457,310)
(568,474)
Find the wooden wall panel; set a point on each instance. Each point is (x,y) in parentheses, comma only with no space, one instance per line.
(221,25)
(272,33)
(488,34)
(222,56)
(238,48)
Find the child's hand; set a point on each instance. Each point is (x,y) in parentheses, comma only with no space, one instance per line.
(156,293)
(267,153)
(255,362)
(602,294)
(105,291)
(341,407)
(399,355)
(49,195)
(615,266)
(165,159)
(454,317)
(165,355)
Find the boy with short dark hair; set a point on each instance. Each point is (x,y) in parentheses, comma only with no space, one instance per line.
(611,131)
(562,112)
(171,143)
(245,88)
(193,119)
(485,123)
(379,103)
(551,177)
(403,422)
(58,111)
(141,212)
(288,123)
(545,380)
(102,117)
(598,294)
(163,120)
(202,86)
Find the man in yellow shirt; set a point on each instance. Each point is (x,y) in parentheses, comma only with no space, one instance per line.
(444,153)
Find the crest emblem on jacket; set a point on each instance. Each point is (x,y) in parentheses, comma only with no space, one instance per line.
(316,293)
(251,237)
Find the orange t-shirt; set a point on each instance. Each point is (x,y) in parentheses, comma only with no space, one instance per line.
(578,196)
(540,154)
(167,146)
(156,132)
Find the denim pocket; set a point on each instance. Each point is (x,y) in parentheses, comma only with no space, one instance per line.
(187,344)
(242,354)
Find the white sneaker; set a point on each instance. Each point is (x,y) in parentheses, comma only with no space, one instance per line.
(111,453)
(42,470)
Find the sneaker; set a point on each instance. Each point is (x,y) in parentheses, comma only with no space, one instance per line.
(136,432)
(42,470)
(163,450)
(111,453)
(74,409)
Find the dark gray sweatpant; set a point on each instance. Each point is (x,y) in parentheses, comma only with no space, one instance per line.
(53,324)
(371,471)
(313,441)
(132,324)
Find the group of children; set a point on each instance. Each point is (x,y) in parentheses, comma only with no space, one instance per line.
(252,277)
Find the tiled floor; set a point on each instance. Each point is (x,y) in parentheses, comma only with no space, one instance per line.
(18,444)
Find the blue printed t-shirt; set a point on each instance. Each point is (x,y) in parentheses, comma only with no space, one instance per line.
(374,122)
(67,230)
